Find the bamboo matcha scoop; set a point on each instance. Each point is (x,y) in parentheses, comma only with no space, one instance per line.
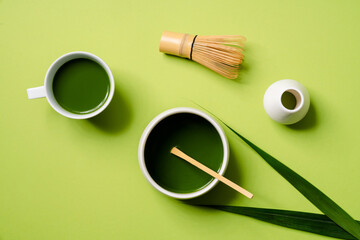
(209,171)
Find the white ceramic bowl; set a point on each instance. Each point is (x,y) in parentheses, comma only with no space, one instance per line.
(146,134)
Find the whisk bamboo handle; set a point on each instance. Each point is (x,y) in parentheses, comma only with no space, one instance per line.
(178,44)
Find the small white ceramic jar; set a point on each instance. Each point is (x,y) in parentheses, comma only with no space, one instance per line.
(274,105)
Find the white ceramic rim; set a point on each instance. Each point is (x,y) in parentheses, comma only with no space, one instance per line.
(146,134)
(50,77)
(298,106)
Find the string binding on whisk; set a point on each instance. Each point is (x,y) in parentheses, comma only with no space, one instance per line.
(192,46)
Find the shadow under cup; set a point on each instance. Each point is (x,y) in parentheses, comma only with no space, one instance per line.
(194,133)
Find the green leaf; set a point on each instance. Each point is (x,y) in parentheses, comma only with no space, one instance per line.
(313,194)
(309,222)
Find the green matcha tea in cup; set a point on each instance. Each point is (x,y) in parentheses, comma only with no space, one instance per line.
(77,85)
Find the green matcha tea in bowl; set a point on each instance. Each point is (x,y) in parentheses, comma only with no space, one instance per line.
(195,133)
(78,85)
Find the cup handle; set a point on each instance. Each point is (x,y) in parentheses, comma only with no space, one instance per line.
(37,92)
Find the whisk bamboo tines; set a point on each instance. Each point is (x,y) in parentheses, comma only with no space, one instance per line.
(222,54)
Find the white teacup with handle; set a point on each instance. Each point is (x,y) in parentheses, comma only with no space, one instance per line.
(47,90)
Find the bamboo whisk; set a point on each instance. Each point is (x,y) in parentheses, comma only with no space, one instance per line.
(222,54)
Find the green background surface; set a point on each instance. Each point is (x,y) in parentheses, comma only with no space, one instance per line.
(80,179)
